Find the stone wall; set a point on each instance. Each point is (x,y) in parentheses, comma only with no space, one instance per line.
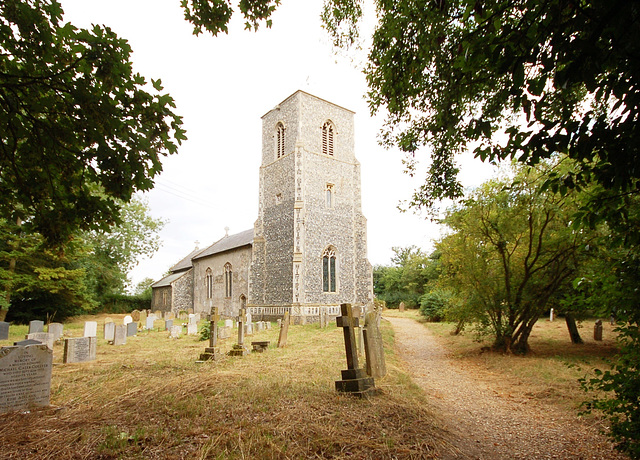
(161,298)
(182,293)
(239,258)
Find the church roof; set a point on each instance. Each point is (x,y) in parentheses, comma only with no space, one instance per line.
(227,243)
(167,280)
(185,263)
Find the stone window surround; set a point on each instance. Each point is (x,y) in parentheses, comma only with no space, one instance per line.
(228,280)
(279,140)
(328,133)
(209,283)
(331,282)
(330,195)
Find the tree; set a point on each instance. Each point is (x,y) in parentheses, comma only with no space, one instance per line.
(80,131)
(511,251)
(553,77)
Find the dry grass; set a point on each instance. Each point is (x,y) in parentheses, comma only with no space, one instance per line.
(149,399)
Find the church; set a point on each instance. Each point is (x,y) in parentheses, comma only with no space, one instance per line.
(307,251)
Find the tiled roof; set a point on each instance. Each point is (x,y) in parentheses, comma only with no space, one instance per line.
(167,280)
(227,243)
(185,263)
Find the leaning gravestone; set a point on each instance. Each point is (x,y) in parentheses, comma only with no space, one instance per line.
(25,377)
(284,331)
(373,347)
(4,330)
(109,331)
(79,349)
(36,326)
(132,329)
(90,329)
(56,329)
(120,335)
(45,338)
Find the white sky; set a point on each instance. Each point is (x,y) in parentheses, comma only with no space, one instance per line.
(222,86)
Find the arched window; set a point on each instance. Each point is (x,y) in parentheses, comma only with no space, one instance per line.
(228,279)
(327,138)
(329,270)
(209,283)
(279,140)
(329,196)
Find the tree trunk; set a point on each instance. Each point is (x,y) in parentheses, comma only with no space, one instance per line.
(573,328)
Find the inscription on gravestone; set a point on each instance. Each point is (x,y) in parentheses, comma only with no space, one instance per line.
(25,377)
(79,349)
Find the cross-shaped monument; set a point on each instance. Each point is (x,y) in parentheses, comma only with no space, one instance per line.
(239,349)
(212,352)
(354,379)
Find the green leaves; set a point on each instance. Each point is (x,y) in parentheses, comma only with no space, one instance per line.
(214,15)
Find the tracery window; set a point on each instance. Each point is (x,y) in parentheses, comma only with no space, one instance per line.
(209,283)
(279,140)
(228,279)
(327,138)
(329,270)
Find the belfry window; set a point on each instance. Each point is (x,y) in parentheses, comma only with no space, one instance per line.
(329,270)
(209,283)
(279,140)
(228,279)
(327,138)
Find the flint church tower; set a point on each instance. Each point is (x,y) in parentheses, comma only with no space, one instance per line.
(309,248)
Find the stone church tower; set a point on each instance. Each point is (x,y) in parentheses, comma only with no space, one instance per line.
(309,250)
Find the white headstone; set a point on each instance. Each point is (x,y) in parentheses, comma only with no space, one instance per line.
(192,318)
(127,319)
(192,329)
(25,377)
(110,331)
(176,331)
(90,329)
(228,323)
(150,320)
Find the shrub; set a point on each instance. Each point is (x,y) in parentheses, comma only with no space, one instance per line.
(434,305)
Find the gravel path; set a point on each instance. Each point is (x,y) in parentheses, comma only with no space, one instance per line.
(484,422)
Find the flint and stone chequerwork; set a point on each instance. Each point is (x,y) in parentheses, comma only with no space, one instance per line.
(307,252)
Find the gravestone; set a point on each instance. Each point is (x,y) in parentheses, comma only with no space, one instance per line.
(183,315)
(551,315)
(224,332)
(79,349)
(90,329)
(268,325)
(212,352)
(175,332)
(25,377)
(169,315)
(192,318)
(158,314)
(373,347)
(110,331)
(4,330)
(120,334)
(158,325)
(239,349)
(284,331)
(357,313)
(597,330)
(401,306)
(127,319)
(135,315)
(132,329)
(43,337)
(149,323)
(36,326)
(55,329)
(109,319)
(192,329)
(228,323)
(168,324)
(354,379)
(260,346)
(142,321)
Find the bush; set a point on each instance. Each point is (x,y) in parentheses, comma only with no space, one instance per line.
(434,305)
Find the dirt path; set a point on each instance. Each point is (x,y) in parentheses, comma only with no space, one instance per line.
(484,422)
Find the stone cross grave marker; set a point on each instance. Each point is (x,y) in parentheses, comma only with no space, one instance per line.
(56,329)
(284,330)
(109,331)
(36,326)
(373,347)
(79,349)
(354,379)
(120,335)
(25,377)
(4,330)
(212,352)
(239,349)
(90,329)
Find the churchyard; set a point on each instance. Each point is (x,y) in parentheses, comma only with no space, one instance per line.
(150,398)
